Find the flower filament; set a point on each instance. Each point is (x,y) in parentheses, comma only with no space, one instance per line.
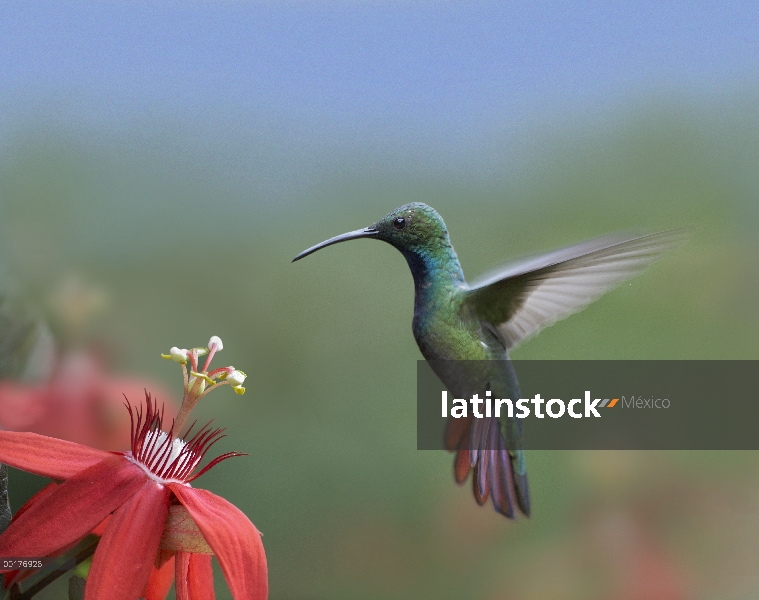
(166,458)
(198,382)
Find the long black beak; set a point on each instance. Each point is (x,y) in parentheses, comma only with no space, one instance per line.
(351,235)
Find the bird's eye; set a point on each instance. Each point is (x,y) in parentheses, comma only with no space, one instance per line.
(399,223)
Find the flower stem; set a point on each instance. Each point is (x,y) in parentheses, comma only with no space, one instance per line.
(43,583)
(5,507)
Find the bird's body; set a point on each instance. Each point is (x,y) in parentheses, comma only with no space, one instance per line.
(454,321)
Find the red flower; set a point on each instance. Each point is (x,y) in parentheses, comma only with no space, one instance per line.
(142,489)
(82,403)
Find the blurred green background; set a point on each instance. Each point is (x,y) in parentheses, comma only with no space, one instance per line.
(186,224)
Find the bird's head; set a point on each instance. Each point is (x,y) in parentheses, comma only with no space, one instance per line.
(411,228)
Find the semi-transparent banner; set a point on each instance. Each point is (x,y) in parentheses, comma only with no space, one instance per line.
(590,405)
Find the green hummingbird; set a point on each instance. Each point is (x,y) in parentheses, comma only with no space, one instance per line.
(483,321)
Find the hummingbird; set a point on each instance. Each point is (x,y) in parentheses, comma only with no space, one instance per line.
(483,321)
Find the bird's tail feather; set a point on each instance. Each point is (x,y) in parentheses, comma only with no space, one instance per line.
(479,444)
(460,445)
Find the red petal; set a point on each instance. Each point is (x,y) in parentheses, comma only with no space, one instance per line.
(159,581)
(12,577)
(180,577)
(234,539)
(200,577)
(72,509)
(124,559)
(194,577)
(46,456)
(99,529)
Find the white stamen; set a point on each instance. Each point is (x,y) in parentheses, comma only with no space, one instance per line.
(236,378)
(178,354)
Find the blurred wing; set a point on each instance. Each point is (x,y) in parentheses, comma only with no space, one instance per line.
(520,300)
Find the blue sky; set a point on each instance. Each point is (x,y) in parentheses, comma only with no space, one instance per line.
(424,64)
(274,99)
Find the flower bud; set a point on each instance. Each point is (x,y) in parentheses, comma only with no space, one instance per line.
(215,341)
